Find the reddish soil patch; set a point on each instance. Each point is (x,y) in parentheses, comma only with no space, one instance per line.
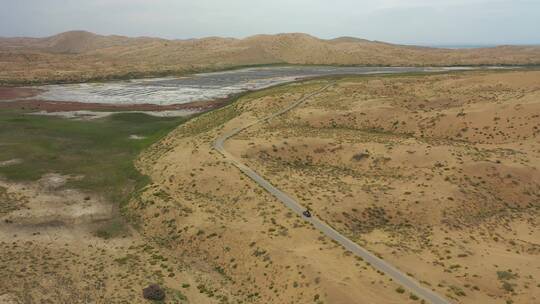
(61,106)
(11,99)
(13,93)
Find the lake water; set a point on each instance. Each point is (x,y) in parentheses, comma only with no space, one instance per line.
(205,86)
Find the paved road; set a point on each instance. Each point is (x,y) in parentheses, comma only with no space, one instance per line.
(399,277)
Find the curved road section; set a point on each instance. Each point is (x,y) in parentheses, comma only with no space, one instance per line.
(399,277)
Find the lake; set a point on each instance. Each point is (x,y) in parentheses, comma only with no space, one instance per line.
(204,86)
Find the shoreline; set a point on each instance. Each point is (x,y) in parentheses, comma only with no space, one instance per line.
(21,98)
(183,73)
(61,106)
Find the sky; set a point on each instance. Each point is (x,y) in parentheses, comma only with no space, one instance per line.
(425,22)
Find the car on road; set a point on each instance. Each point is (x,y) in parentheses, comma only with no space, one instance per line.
(307,213)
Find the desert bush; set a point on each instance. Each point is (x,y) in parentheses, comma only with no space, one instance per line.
(360,156)
(505,275)
(507,286)
(154,292)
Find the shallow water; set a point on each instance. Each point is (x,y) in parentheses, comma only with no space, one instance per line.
(206,86)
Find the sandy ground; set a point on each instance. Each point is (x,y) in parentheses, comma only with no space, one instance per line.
(216,216)
(438,175)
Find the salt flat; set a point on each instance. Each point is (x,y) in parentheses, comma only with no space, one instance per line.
(205,86)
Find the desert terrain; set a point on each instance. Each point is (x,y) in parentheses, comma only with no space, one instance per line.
(436,174)
(81,56)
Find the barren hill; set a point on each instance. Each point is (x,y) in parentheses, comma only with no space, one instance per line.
(79,55)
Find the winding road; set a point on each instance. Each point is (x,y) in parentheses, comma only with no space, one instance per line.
(399,277)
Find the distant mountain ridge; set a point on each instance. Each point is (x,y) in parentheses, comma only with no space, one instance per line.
(81,55)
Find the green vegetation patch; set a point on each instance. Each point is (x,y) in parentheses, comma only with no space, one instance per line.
(100,150)
(210,120)
(112,229)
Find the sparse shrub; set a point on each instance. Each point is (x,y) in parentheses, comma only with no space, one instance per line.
(507,286)
(360,156)
(154,292)
(457,291)
(505,275)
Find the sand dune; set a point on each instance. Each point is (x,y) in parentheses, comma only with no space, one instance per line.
(79,56)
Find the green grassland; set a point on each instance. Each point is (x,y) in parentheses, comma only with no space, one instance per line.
(99,150)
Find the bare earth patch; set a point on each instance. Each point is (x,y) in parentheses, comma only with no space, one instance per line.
(45,209)
(9,93)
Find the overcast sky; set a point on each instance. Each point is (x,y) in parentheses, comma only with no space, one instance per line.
(433,22)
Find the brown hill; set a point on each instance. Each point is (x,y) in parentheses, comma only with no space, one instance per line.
(79,55)
(74,42)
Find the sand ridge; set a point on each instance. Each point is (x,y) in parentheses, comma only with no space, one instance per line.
(80,56)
